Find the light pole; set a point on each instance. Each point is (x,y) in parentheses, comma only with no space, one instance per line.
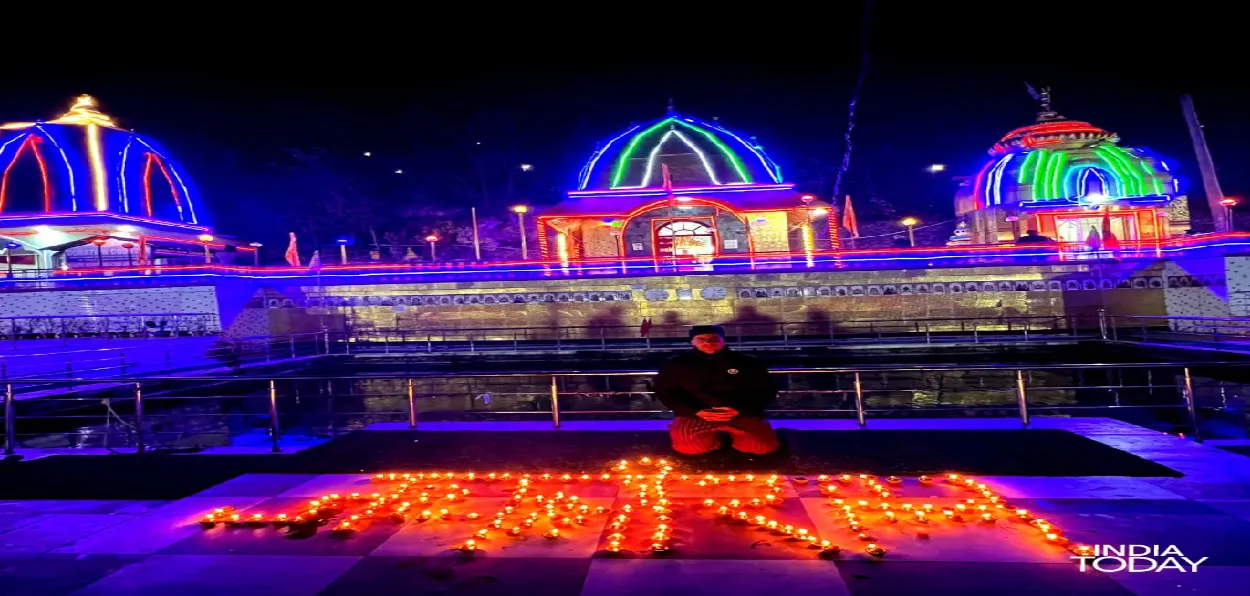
(130,255)
(1015,227)
(935,168)
(343,242)
(99,250)
(910,223)
(1229,203)
(9,247)
(208,254)
(520,211)
(255,253)
(432,239)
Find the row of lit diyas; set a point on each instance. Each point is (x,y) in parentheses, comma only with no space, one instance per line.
(651,503)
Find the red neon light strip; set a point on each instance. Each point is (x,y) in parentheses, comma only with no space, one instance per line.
(147,185)
(32,141)
(147,182)
(1005,250)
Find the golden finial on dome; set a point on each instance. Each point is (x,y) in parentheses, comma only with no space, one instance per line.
(84,111)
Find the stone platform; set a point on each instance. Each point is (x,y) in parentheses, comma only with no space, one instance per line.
(143,547)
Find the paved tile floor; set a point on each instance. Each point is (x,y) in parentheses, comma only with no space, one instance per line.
(152,547)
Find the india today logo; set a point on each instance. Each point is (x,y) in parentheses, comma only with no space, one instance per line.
(1135,558)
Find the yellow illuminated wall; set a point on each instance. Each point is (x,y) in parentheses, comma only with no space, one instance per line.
(770,232)
(821,298)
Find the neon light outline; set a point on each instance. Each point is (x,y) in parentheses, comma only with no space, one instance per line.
(1037,172)
(173,170)
(1075,177)
(69,169)
(622,161)
(993,194)
(633,191)
(655,152)
(121,178)
(770,166)
(1023,173)
(147,183)
(729,153)
(27,139)
(594,159)
(76,276)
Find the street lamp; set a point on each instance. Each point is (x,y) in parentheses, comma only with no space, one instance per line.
(99,243)
(208,255)
(255,253)
(344,242)
(525,167)
(9,247)
(520,211)
(910,224)
(1229,203)
(130,256)
(432,239)
(935,168)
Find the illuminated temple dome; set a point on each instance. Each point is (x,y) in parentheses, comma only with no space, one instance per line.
(697,153)
(680,187)
(79,191)
(85,162)
(1058,175)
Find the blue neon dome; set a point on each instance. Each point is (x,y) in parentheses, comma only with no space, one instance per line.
(83,162)
(696,153)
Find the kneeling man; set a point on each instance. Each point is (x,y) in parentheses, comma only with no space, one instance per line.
(715,392)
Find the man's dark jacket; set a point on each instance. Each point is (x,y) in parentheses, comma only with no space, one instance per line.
(696,381)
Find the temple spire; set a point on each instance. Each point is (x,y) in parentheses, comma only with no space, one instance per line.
(84,111)
(1048,113)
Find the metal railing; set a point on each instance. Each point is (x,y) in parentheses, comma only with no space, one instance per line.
(178,412)
(1228,333)
(936,330)
(103,360)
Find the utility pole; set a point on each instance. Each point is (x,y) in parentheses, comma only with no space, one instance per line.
(1206,165)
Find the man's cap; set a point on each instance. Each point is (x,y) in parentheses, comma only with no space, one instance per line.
(705,329)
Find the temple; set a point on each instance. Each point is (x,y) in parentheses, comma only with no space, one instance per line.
(1069,180)
(683,189)
(78,191)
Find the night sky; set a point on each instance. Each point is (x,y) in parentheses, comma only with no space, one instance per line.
(944,84)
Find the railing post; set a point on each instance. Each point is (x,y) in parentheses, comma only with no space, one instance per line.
(976,337)
(275,431)
(555,402)
(859,402)
(927,338)
(412,405)
(326,334)
(122,364)
(1102,323)
(292,342)
(69,367)
(1188,393)
(1022,399)
(139,439)
(785,335)
(10,423)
